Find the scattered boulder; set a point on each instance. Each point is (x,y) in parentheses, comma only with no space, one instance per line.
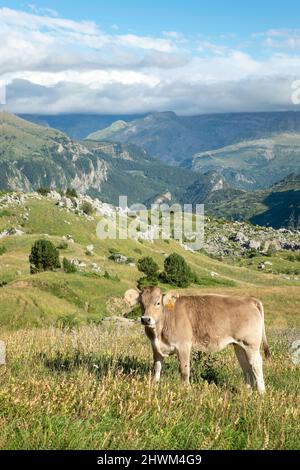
(241,238)
(254,245)
(11,232)
(118,258)
(90,250)
(78,263)
(214,274)
(95,268)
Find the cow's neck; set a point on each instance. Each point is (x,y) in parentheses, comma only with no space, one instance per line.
(160,332)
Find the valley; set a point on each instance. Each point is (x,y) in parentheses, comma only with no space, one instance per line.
(237,182)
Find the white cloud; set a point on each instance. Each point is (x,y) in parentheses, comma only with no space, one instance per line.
(280,39)
(132,40)
(60,65)
(206,46)
(42,11)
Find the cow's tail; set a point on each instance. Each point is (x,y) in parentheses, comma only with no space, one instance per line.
(264,337)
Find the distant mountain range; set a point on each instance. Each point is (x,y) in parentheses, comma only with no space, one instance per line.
(177,139)
(78,126)
(278,206)
(254,164)
(250,150)
(33,156)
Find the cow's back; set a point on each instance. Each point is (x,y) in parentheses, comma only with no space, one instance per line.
(212,316)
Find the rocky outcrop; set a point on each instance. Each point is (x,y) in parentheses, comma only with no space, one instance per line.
(221,238)
(224,238)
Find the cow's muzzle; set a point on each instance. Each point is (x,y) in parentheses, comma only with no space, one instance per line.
(147,321)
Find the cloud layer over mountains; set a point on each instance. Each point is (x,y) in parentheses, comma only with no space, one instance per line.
(52,64)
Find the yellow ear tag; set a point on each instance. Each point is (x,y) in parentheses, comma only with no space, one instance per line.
(170,305)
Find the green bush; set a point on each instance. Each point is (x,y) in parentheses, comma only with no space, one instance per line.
(150,268)
(177,272)
(68,266)
(6,213)
(111,277)
(293,258)
(87,208)
(71,192)
(2,250)
(252,253)
(135,313)
(43,257)
(271,250)
(43,191)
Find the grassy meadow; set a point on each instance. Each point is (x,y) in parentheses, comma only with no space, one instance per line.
(74,381)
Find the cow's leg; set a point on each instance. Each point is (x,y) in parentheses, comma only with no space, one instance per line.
(158,361)
(184,356)
(244,363)
(256,363)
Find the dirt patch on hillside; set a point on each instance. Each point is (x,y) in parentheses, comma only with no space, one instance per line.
(20,284)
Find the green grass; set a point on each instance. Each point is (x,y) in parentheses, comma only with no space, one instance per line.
(90,389)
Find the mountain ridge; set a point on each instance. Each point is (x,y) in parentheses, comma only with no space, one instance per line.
(177,139)
(278,206)
(32,156)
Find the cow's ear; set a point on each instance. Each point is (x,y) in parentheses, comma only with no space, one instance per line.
(132,297)
(169,300)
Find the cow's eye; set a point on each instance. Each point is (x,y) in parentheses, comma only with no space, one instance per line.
(158,304)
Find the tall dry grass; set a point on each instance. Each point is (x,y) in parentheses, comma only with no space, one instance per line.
(90,389)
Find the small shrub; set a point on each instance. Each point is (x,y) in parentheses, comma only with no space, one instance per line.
(135,313)
(6,213)
(87,208)
(68,266)
(43,191)
(177,272)
(252,253)
(271,250)
(71,192)
(293,258)
(111,277)
(150,268)
(43,257)
(2,250)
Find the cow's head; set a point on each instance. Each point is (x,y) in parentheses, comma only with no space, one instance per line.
(153,303)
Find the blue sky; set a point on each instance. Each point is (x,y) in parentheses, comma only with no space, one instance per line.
(210,18)
(137,56)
